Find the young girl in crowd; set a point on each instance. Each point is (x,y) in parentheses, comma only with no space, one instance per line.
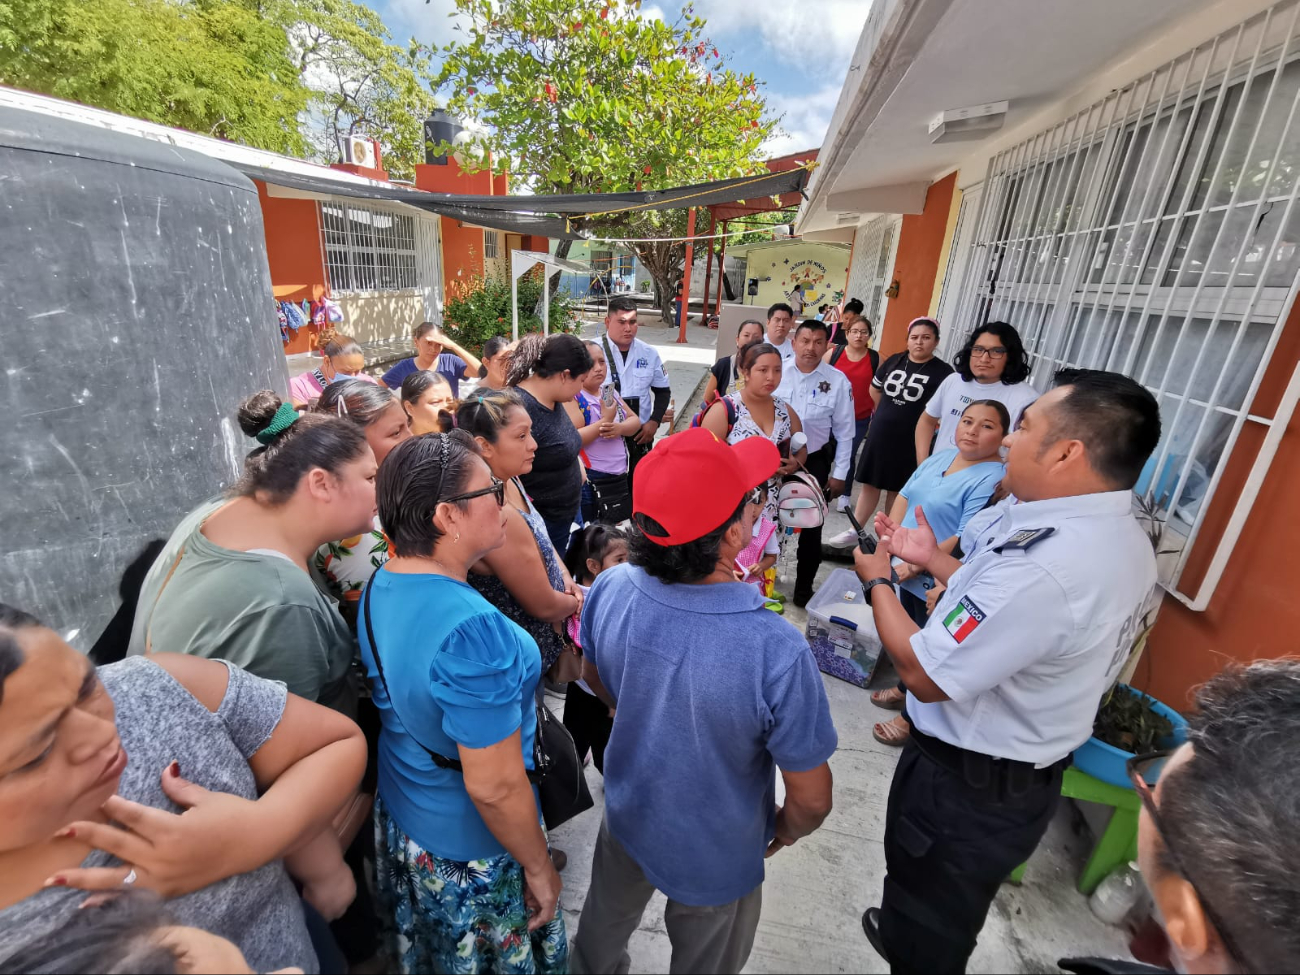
(213,774)
(348,563)
(496,363)
(237,581)
(461,855)
(547,371)
(951,486)
(595,549)
(755,562)
(427,400)
(607,494)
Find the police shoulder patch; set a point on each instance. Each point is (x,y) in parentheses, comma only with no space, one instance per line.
(963,619)
(1025,539)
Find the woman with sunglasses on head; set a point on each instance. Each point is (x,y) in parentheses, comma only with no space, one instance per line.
(992,364)
(464,879)
(341,358)
(348,563)
(524,577)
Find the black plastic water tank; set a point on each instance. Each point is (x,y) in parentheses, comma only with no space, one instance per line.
(137,312)
(439,127)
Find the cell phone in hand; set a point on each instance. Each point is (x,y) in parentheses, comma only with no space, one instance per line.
(866,543)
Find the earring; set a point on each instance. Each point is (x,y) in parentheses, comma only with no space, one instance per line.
(457,538)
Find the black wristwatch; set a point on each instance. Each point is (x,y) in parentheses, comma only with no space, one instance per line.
(872,583)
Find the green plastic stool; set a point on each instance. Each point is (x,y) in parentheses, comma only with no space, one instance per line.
(1118,844)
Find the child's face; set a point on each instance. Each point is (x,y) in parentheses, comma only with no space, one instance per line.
(616,554)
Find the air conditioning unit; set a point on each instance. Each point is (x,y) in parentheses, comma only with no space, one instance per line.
(361,152)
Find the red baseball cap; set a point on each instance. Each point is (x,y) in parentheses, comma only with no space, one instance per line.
(692,482)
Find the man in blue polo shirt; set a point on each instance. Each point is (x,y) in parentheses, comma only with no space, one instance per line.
(713,694)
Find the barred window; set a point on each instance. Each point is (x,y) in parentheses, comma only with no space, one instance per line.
(367,248)
(491,245)
(1156,233)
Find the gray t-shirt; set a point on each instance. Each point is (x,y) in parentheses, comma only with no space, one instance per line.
(159,721)
(259,610)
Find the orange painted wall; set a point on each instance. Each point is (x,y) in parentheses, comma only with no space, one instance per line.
(293,252)
(462,246)
(1255,610)
(920,242)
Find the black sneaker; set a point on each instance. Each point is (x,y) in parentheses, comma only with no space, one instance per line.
(801,598)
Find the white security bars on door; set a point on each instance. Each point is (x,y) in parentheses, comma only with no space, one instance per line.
(1156,233)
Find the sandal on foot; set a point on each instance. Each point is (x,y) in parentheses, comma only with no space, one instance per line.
(890,733)
(891,699)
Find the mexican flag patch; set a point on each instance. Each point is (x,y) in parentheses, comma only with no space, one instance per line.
(963,619)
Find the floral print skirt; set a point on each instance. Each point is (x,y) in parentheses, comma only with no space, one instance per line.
(458,917)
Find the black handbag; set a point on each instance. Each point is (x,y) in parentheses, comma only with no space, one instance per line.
(613,498)
(562,790)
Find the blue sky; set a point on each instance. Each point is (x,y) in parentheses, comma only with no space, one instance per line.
(801,49)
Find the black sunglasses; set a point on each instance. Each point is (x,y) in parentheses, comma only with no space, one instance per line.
(1151,764)
(498,489)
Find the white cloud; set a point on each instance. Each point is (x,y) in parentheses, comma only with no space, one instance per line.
(817,35)
(804,121)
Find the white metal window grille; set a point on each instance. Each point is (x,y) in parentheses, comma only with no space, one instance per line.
(491,245)
(368,248)
(1156,233)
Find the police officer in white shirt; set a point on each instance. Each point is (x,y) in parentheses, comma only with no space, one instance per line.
(780,320)
(637,374)
(1005,678)
(992,364)
(823,399)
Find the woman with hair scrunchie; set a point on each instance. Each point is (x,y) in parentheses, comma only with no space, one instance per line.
(237,580)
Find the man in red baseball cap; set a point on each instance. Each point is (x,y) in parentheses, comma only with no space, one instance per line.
(714,693)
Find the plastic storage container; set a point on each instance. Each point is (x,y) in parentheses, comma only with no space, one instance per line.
(1108,763)
(841,629)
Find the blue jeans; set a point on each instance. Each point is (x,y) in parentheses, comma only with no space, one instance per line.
(859,435)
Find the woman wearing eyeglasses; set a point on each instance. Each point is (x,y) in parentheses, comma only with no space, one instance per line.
(992,364)
(463,875)
(524,577)
(859,363)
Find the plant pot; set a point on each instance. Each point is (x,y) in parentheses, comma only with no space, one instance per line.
(1106,762)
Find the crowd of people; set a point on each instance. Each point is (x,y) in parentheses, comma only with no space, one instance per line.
(334,682)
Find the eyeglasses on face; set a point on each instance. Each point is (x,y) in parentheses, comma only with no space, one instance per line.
(977,352)
(1143,770)
(498,489)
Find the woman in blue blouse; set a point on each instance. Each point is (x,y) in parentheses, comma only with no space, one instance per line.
(465,881)
(951,485)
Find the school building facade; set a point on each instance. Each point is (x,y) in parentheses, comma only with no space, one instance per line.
(1119,181)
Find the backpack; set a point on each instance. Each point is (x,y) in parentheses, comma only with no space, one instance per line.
(698,418)
(801,503)
(872,354)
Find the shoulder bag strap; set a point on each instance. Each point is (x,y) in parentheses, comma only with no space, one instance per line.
(442,761)
(613,363)
(835,356)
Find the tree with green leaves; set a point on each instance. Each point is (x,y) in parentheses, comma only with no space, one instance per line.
(292,76)
(587,96)
(212,67)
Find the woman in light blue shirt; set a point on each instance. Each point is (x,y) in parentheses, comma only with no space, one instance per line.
(951,485)
(461,854)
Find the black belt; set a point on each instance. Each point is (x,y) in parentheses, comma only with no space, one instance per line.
(1000,777)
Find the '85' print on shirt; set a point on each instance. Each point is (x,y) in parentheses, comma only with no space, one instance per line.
(900,386)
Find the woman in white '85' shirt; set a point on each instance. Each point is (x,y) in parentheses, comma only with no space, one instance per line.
(992,365)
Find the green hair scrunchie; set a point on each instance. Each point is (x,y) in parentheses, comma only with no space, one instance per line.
(282,420)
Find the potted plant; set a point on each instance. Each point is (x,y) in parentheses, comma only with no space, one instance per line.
(1129,722)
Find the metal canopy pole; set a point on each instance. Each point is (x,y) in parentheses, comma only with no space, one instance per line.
(686,275)
(514,306)
(547,274)
(708,263)
(722,267)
